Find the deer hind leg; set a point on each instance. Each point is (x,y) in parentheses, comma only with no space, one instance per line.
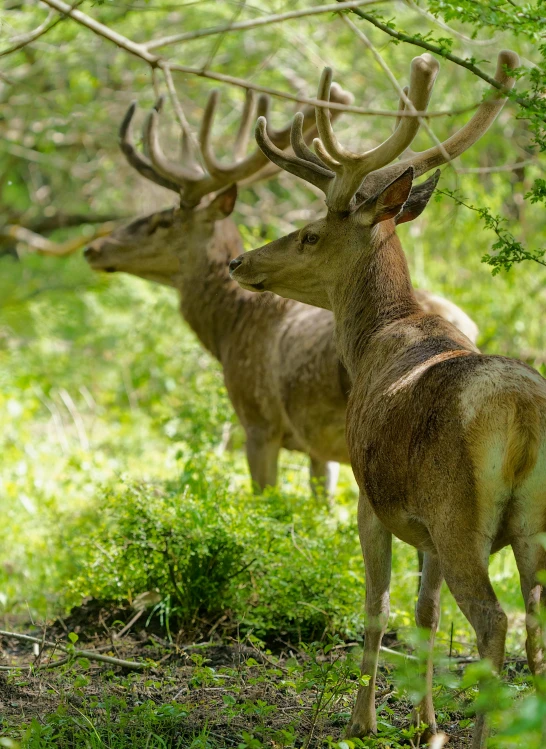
(530,559)
(262,452)
(427,616)
(324,475)
(376,542)
(465,569)
(420,563)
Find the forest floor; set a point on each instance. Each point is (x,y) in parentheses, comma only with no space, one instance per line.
(221,693)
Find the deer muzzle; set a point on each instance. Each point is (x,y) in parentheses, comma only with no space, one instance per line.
(95,256)
(240,269)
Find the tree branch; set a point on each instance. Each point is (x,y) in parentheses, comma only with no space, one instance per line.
(65,220)
(397,87)
(76,652)
(44,246)
(243,83)
(440,51)
(22,40)
(140,50)
(476,42)
(256,22)
(500,168)
(99,28)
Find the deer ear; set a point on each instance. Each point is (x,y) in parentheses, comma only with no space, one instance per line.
(418,199)
(223,204)
(388,203)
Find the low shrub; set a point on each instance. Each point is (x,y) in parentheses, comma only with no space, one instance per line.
(275,564)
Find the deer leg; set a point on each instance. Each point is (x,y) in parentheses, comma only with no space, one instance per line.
(530,559)
(427,615)
(324,475)
(466,573)
(376,542)
(420,562)
(262,452)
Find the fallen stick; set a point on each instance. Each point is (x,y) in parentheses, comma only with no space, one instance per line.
(390,651)
(76,652)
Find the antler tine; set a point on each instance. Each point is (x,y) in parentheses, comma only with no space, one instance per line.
(138,161)
(460,141)
(317,175)
(245,126)
(337,95)
(401,105)
(230,173)
(329,147)
(424,70)
(281,137)
(184,177)
(284,137)
(351,167)
(297,141)
(186,150)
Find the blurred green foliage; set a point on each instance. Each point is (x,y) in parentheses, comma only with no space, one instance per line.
(115,479)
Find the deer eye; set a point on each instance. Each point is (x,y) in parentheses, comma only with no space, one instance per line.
(310,238)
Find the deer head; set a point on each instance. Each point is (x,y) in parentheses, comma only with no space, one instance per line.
(366,194)
(158,246)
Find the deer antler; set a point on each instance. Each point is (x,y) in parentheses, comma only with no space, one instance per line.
(186,177)
(339,173)
(242,166)
(137,160)
(246,168)
(460,141)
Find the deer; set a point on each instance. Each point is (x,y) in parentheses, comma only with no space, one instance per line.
(447,445)
(281,370)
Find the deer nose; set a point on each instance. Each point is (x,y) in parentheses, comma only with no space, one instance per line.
(235,263)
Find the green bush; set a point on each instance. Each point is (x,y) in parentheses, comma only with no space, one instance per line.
(275,564)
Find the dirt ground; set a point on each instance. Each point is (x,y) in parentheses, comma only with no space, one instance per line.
(229,686)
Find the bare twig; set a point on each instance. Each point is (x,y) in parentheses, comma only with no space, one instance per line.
(127,627)
(220,38)
(140,50)
(44,246)
(76,652)
(53,664)
(500,168)
(180,116)
(397,87)
(64,220)
(437,50)
(406,656)
(20,41)
(256,22)
(99,28)
(243,83)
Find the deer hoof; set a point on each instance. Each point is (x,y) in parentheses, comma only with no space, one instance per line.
(357,730)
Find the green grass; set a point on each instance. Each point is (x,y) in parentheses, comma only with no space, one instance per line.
(115,481)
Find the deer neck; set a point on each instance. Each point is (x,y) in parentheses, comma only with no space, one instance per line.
(374,292)
(216,308)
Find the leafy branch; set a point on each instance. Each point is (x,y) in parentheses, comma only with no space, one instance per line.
(507,250)
(440,47)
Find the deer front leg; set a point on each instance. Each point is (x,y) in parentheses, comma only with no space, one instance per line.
(262,452)
(376,542)
(427,615)
(324,474)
